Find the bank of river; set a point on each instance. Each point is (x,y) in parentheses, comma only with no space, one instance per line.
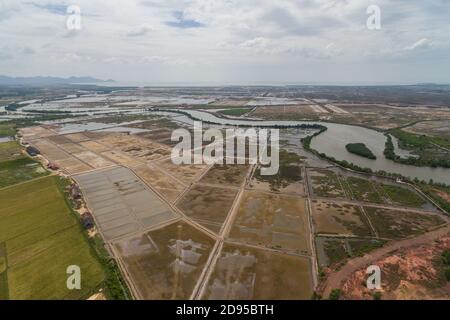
(333,141)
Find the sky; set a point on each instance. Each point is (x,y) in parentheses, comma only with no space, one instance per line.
(228,41)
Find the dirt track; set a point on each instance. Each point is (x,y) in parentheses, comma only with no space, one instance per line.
(335,279)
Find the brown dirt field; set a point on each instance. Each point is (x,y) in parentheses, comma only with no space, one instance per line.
(32,133)
(94,146)
(77,137)
(332,218)
(443,195)
(93,159)
(186,173)
(272,220)
(411,274)
(207,204)
(50,151)
(163,183)
(121,158)
(233,175)
(166,263)
(73,165)
(251,274)
(71,148)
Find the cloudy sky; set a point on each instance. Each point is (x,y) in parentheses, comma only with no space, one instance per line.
(228,41)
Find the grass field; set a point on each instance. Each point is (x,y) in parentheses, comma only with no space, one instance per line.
(19,170)
(403,196)
(7,130)
(10,150)
(235,112)
(42,238)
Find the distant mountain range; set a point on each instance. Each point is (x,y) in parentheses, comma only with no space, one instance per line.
(39,81)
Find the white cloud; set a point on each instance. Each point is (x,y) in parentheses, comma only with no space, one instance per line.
(258,39)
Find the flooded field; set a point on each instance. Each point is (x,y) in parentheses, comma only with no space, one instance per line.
(166,263)
(121,203)
(243,273)
(274,221)
(207,205)
(345,219)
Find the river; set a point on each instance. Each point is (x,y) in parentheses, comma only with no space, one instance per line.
(333,141)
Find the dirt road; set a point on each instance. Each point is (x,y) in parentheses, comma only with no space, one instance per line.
(335,279)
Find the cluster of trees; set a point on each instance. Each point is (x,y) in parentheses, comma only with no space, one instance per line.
(419,142)
(360,149)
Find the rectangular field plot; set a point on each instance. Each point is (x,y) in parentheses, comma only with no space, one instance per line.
(19,170)
(252,274)
(272,220)
(93,160)
(288,179)
(402,196)
(163,183)
(331,251)
(10,150)
(207,205)
(325,183)
(345,219)
(121,203)
(394,224)
(233,175)
(50,151)
(363,190)
(185,173)
(166,263)
(41,238)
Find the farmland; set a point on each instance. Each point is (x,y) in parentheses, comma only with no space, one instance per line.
(50,240)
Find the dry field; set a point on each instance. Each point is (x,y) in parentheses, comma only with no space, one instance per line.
(207,205)
(166,263)
(272,220)
(161,182)
(243,273)
(326,183)
(226,175)
(394,224)
(345,219)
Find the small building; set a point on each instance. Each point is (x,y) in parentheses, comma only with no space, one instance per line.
(52,166)
(87,220)
(75,192)
(32,151)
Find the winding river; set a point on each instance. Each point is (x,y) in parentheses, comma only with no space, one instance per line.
(333,141)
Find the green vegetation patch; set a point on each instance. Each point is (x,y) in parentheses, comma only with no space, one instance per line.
(325,183)
(339,250)
(392,224)
(19,170)
(289,172)
(363,190)
(7,130)
(235,112)
(431,151)
(10,150)
(360,149)
(403,196)
(43,237)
